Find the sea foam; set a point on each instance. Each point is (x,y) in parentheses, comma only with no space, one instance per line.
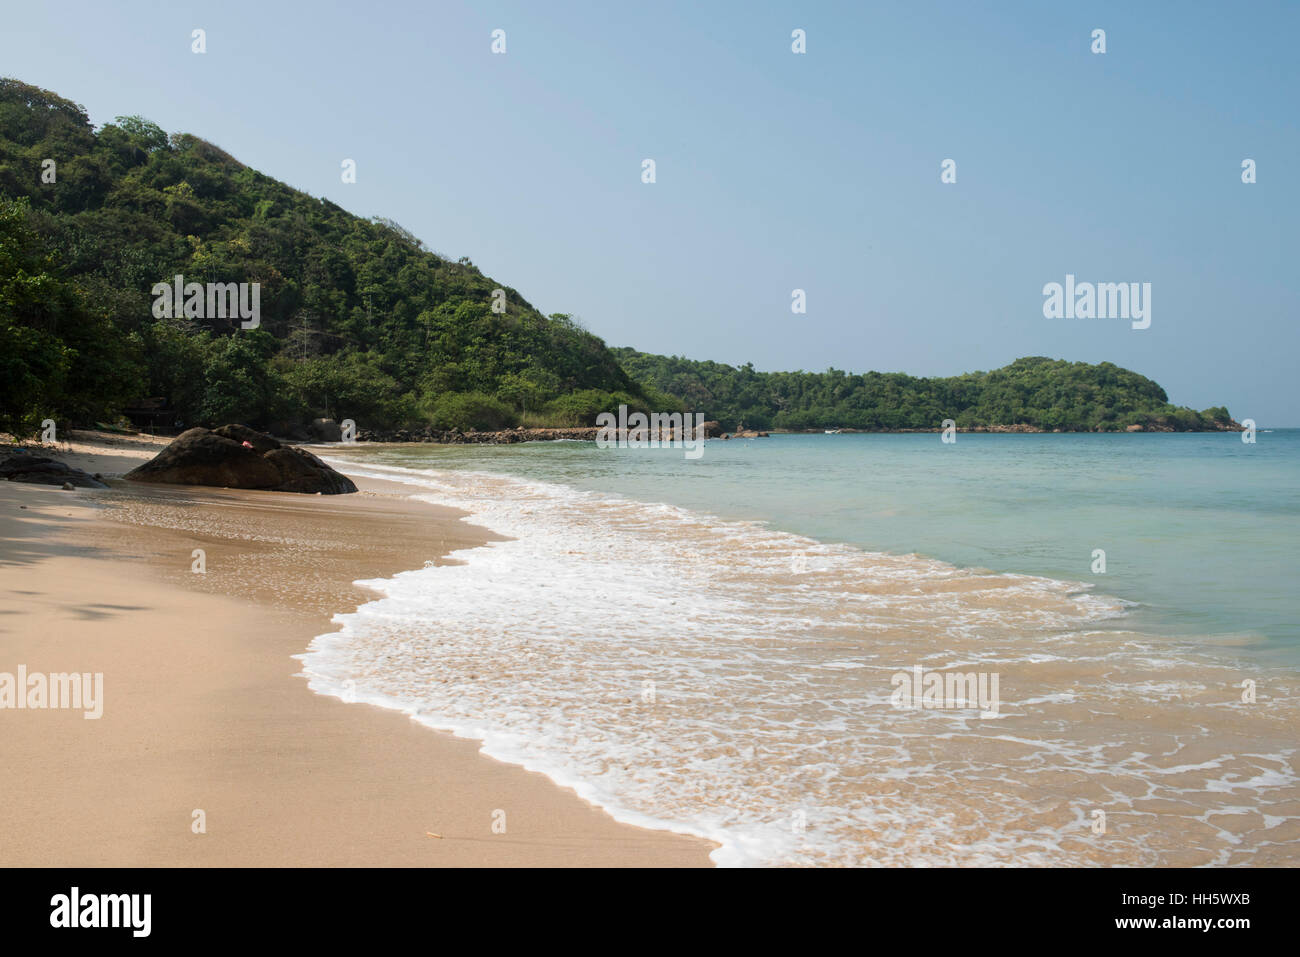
(677,670)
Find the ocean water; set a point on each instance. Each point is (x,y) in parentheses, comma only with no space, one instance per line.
(715,645)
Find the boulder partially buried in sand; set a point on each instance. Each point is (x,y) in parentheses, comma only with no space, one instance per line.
(235,456)
(42,470)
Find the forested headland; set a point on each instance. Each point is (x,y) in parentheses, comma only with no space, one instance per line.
(1035,392)
(358,319)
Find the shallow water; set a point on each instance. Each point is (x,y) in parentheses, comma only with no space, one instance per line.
(1200,529)
(645,639)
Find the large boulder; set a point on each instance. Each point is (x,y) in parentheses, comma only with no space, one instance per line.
(42,470)
(235,456)
(325,430)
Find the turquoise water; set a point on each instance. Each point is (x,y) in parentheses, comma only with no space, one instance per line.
(712,645)
(1200,531)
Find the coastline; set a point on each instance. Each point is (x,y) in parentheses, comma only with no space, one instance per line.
(516,656)
(519,434)
(204,705)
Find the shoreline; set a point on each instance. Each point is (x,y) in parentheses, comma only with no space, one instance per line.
(206,708)
(520,435)
(473,650)
(1060,673)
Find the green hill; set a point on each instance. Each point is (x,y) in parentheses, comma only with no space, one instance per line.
(358,320)
(1036,392)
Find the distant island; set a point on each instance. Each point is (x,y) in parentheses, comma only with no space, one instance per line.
(357,319)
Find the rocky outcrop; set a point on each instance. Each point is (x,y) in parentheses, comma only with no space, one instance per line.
(457,437)
(325,430)
(41,470)
(1018,427)
(235,456)
(504,437)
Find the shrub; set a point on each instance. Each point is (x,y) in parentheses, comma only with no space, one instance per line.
(472,410)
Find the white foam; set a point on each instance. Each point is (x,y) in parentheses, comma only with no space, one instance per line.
(769,705)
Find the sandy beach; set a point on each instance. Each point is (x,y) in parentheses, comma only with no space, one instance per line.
(205,719)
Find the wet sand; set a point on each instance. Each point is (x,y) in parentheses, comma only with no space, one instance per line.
(203,710)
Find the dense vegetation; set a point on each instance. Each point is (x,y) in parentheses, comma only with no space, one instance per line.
(1038,392)
(360,321)
(357,319)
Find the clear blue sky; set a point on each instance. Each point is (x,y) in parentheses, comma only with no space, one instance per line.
(775,170)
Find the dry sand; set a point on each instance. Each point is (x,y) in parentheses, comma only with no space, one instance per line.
(203,709)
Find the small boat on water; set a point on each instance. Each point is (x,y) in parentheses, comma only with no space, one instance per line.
(833,431)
